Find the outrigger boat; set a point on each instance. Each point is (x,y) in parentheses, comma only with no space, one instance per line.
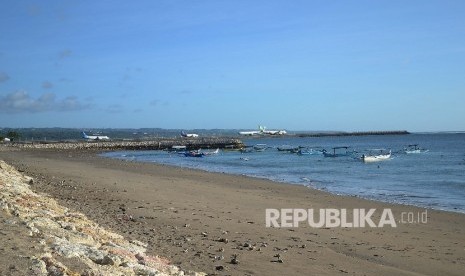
(308,151)
(260,147)
(288,148)
(381,156)
(337,153)
(211,152)
(194,153)
(414,148)
(178,148)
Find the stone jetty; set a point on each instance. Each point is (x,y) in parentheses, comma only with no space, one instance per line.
(65,236)
(157,144)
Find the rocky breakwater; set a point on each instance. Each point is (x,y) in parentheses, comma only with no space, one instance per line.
(158,144)
(67,237)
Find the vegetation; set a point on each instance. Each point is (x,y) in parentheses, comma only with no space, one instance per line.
(13,135)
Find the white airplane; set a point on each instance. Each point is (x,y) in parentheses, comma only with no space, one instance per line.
(262,130)
(249,133)
(272,132)
(189,135)
(94,137)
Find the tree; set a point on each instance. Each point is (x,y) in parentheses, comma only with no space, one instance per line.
(13,135)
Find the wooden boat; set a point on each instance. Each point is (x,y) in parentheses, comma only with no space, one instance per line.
(308,151)
(337,152)
(288,148)
(381,156)
(178,148)
(211,152)
(260,147)
(194,154)
(414,148)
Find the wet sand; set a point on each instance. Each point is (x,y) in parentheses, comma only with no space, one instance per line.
(200,220)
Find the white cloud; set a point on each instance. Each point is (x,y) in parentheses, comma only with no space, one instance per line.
(22,102)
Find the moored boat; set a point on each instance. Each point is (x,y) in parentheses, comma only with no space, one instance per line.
(338,152)
(381,156)
(194,154)
(309,151)
(414,148)
(178,148)
(287,148)
(211,152)
(260,147)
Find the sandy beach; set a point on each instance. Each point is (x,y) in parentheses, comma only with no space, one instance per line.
(201,221)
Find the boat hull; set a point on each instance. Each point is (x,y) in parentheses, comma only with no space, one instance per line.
(193,154)
(375,158)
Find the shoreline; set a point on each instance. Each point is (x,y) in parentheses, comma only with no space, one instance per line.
(100,154)
(186,215)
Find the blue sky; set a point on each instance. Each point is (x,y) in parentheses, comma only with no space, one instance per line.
(298,65)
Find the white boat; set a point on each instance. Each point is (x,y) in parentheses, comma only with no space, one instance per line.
(381,156)
(178,148)
(412,149)
(212,152)
(260,147)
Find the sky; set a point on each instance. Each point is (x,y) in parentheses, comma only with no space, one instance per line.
(295,65)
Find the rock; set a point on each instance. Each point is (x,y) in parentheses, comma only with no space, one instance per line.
(38,267)
(111,260)
(223,240)
(234,259)
(66,235)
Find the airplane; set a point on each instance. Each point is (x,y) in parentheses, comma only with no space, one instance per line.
(249,133)
(94,137)
(189,135)
(271,132)
(262,130)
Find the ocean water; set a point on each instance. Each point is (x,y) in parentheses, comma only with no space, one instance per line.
(435,179)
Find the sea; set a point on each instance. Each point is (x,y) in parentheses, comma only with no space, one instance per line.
(434,179)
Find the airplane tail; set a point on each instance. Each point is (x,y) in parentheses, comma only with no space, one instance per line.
(261,128)
(84,135)
(183,134)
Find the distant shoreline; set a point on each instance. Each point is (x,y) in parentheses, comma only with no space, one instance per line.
(153,141)
(356,133)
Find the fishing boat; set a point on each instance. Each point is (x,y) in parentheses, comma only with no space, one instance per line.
(308,151)
(194,153)
(288,148)
(260,147)
(247,149)
(211,152)
(382,155)
(178,148)
(414,148)
(337,152)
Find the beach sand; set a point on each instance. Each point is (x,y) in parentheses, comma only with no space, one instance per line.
(200,220)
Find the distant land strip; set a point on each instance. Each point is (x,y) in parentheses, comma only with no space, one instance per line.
(357,133)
